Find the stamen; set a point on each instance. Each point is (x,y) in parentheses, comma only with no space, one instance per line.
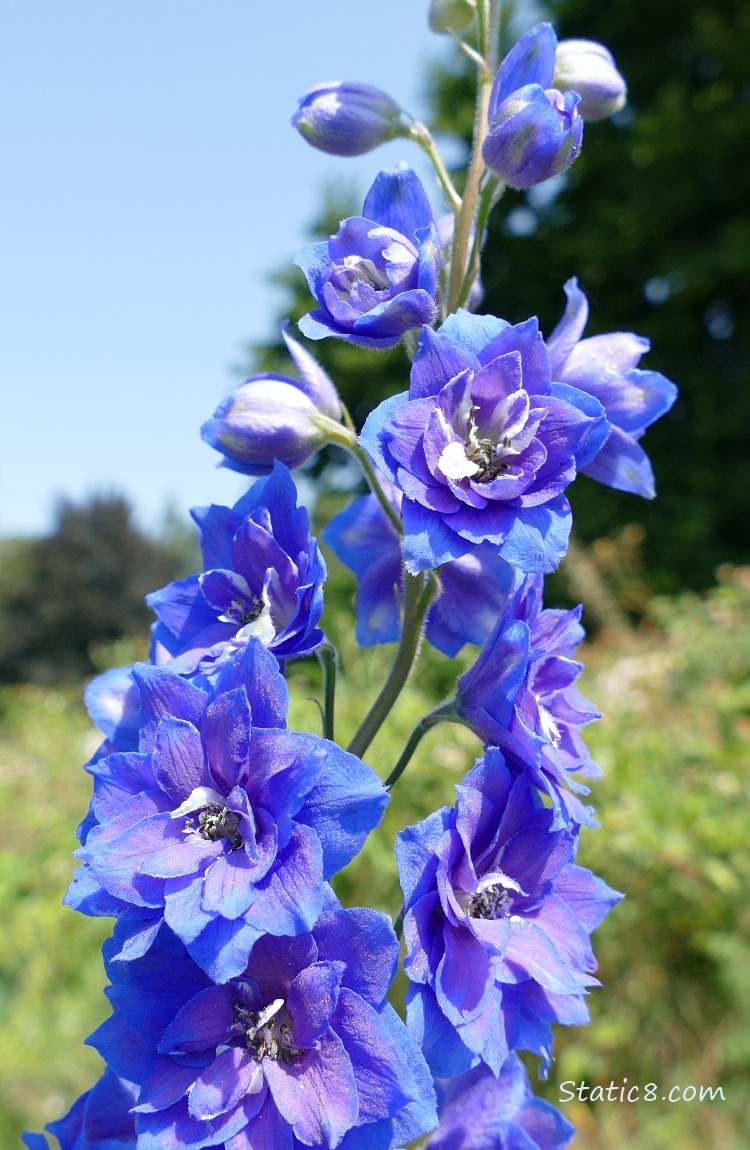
(215,822)
(268,1032)
(492,902)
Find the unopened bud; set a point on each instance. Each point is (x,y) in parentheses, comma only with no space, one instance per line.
(453,16)
(271,417)
(534,134)
(347,119)
(589,69)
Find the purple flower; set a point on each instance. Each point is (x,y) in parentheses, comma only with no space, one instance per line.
(298,1049)
(272,416)
(363,538)
(605,366)
(535,131)
(224,824)
(484,445)
(497,919)
(263,578)
(99,1120)
(347,119)
(481,1112)
(377,277)
(589,69)
(520,695)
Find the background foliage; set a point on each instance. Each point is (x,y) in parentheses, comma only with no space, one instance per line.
(653,220)
(673,956)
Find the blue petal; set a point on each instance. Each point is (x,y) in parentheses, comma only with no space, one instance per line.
(570,328)
(530,61)
(538,539)
(440,358)
(428,540)
(397,200)
(623,464)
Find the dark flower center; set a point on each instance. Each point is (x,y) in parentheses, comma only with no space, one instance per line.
(488,455)
(215,822)
(244,611)
(492,902)
(268,1032)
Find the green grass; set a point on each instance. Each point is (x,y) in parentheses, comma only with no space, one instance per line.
(674,956)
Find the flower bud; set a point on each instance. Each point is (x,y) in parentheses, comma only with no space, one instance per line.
(271,417)
(534,134)
(589,68)
(347,119)
(453,16)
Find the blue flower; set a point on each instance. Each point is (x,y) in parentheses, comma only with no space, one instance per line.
(481,1112)
(224,824)
(263,577)
(497,919)
(298,1049)
(348,119)
(363,538)
(377,277)
(520,695)
(100,1119)
(272,416)
(605,366)
(484,445)
(535,131)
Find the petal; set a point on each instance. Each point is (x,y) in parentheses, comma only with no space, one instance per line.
(201,1024)
(398,201)
(317,1094)
(312,1000)
(233,1074)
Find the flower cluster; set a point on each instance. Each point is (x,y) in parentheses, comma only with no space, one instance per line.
(249,1007)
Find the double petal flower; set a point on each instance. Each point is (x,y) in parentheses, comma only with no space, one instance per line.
(497,922)
(224,824)
(298,1049)
(263,578)
(484,444)
(520,695)
(377,277)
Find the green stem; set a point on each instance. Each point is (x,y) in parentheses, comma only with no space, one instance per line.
(443,714)
(488,16)
(418,593)
(422,136)
(328,659)
(488,198)
(398,925)
(347,437)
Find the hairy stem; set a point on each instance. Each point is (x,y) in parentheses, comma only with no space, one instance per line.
(488,15)
(347,437)
(422,136)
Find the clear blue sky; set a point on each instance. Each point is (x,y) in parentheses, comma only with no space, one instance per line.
(151,181)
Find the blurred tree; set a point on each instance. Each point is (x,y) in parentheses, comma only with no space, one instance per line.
(83,584)
(653,220)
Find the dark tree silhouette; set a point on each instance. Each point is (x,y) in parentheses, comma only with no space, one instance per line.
(83,584)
